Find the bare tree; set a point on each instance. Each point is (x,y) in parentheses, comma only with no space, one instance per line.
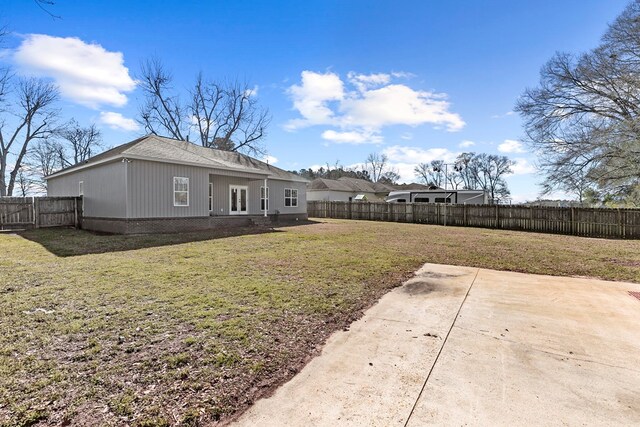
(390,177)
(431,173)
(224,116)
(32,119)
(584,116)
(489,171)
(376,165)
(78,143)
(44,5)
(25,183)
(43,159)
(571,180)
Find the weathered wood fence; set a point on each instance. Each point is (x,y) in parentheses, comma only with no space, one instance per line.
(37,212)
(589,222)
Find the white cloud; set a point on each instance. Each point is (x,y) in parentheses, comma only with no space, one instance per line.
(407,136)
(415,155)
(311,98)
(398,105)
(365,81)
(511,146)
(270,159)
(118,121)
(466,144)
(501,116)
(522,166)
(402,74)
(352,137)
(252,92)
(86,73)
(322,99)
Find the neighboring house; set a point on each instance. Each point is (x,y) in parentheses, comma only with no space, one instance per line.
(346,190)
(439,195)
(157,184)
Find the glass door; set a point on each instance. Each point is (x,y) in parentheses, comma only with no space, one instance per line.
(238,199)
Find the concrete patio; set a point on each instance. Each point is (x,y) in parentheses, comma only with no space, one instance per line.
(468,346)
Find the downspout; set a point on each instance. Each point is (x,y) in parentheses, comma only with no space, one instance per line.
(266,197)
(126,187)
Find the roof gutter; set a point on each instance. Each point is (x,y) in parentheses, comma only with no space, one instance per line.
(155,159)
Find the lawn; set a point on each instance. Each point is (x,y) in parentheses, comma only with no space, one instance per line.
(189,329)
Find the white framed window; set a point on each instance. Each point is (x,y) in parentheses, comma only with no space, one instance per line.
(264,198)
(211,197)
(180,191)
(290,197)
(81,188)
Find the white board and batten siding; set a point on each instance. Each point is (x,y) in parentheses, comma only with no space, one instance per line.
(100,199)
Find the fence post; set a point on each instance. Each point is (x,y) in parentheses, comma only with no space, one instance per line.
(573,221)
(464,215)
(620,233)
(36,212)
(75,212)
(497,216)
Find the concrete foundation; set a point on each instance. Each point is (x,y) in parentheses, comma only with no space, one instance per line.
(182,225)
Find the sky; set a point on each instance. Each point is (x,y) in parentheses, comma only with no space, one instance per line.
(415,80)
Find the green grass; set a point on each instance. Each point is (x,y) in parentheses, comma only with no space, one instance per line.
(169,329)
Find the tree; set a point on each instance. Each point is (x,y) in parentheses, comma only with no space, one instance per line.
(224,116)
(26,118)
(489,171)
(584,116)
(78,143)
(69,145)
(333,172)
(576,182)
(431,173)
(375,165)
(390,177)
(377,168)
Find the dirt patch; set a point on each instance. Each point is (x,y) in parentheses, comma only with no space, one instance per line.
(421,287)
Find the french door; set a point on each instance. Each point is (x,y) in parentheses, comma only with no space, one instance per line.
(238,195)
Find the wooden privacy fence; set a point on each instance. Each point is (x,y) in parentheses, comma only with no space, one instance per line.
(589,222)
(37,212)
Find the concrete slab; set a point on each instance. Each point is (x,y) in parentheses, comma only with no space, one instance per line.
(372,374)
(538,350)
(520,349)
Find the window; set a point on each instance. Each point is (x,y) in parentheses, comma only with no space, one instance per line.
(401,201)
(264,198)
(180,191)
(81,188)
(421,200)
(290,197)
(441,200)
(211,197)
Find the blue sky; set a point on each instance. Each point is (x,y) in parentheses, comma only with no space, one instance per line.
(416,80)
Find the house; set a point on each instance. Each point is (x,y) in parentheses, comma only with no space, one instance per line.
(439,195)
(157,184)
(346,189)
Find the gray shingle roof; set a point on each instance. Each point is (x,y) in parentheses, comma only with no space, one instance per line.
(169,150)
(351,185)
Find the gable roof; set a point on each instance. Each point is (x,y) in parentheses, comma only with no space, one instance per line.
(351,185)
(167,150)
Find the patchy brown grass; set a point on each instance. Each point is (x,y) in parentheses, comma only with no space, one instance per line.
(186,329)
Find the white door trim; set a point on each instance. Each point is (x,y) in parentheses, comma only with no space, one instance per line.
(239,188)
